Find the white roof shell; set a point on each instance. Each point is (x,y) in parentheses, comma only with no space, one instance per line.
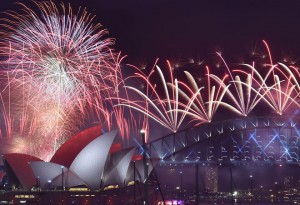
(130,174)
(89,163)
(139,170)
(92,167)
(52,174)
(46,171)
(117,167)
(70,180)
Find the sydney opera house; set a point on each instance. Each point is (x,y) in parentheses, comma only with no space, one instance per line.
(89,162)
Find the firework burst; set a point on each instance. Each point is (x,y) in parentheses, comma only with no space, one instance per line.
(276,86)
(245,91)
(193,98)
(160,107)
(58,68)
(240,90)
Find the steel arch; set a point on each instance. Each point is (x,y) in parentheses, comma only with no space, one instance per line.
(267,139)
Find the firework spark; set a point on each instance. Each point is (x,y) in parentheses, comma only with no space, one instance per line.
(161,107)
(193,102)
(240,90)
(58,68)
(58,72)
(278,88)
(245,94)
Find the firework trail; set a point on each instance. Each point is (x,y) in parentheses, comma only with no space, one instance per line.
(240,90)
(284,90)
(59,68)
(244,92)
(163,107)
(278,88)
(193,103)
(59,72)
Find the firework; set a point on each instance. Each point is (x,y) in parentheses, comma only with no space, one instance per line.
(278,88)
(193,103)
(285,87)
(160,107)
(240,90)
(243,95)
(59,70)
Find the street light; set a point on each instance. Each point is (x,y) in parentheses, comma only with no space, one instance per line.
(276,191)
(251,186)
(62,177)
(144,146)
(49,184)
(134,179)
(38,183)
(181,190)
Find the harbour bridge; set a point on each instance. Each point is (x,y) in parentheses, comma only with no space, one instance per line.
(257,141)
(268,139)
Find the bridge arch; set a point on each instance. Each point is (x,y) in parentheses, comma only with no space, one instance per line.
(267,139)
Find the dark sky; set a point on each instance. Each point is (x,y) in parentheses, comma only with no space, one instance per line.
(145,29)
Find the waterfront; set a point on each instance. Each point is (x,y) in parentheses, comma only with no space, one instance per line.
(122,196)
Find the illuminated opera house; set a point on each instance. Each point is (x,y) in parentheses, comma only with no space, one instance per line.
(89,161)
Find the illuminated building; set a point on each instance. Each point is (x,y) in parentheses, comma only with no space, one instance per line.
(289,183)
(211,179)
(85,160)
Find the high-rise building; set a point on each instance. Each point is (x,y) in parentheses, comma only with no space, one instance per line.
(211,179)
(289,183)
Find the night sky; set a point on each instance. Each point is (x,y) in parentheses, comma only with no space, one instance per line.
(177,28)
(168,29)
